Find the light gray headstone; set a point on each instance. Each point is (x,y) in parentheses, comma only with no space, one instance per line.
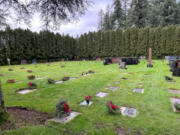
(131,112)
(138,90)
(85,103)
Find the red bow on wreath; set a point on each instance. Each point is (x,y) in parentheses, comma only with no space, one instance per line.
(66,107)
(113,106)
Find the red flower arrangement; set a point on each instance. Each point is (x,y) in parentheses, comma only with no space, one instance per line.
(88,98)
(29,71)
(66,108)
(65,78)
(11,81)
(113,109)
(113,106)
(31,77)
(90,71)
(32,85)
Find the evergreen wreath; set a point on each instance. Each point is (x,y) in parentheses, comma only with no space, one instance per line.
(62,109)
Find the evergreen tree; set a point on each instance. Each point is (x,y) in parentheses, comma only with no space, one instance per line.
(118,15)
(138,13)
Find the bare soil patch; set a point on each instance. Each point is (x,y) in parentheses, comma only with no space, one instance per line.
(21,116)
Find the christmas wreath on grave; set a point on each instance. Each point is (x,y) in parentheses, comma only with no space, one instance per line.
(51,81)
(10,81)
(112,108)
(177,106)
(32,85)
(10,69)
(62,109)
(65,78)
(29,71)
(88,99)
(90,72)
(31,77)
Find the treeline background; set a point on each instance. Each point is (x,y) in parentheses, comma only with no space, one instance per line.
(46,46)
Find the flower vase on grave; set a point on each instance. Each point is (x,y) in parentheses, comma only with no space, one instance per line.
(88,98)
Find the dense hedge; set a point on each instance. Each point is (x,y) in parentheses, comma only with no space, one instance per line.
(131,42)
(21,44)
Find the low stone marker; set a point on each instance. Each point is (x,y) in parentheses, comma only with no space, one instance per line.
(174,91)
(40,78)
(20,82)
(85,103)
(137,90)
(26,91)
(173,101)
(101,94)
(131,112)
(73,78)
(58,82)
(116,82)
(171,81)
(65,119)
(113,88)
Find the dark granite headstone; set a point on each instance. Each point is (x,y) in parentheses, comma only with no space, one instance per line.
(23,62)
(34,61)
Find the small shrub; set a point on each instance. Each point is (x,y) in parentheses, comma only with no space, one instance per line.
(32,85)
(62,109)
(177,106)
(10,81)
(51,81)
(31,77)
(65,78)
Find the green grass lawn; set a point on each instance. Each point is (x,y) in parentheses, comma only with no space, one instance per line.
(155,114)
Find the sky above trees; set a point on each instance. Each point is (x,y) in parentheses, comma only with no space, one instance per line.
(85,23)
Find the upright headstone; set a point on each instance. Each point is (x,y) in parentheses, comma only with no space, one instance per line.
(150,58)
(23,62)
(3,114)
(34,61)
(9,61)
(122,65)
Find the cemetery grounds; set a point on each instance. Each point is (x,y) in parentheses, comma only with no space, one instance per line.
(155,115)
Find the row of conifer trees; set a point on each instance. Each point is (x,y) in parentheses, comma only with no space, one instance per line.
(21,44)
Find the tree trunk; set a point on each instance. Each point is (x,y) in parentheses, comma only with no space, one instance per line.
(3,114)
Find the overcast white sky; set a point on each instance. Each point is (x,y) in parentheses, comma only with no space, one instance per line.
(87,22)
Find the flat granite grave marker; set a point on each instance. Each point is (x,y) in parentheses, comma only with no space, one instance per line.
(124,78)
(58,82)
(113,88)
(137,90)
(116,82)
(65,119)
(174,91)
(173,101)
(131,112)
(26,91)
(85,103)
(101,94)
(40,78)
